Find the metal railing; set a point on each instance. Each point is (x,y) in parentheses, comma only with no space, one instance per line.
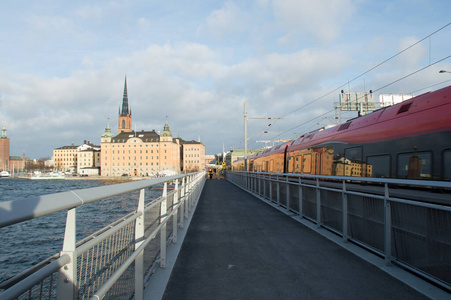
(116,261)
(408,222)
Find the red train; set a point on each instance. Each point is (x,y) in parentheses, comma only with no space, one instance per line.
(410,140)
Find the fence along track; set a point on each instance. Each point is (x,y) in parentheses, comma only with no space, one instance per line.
(413,234)
(101,265)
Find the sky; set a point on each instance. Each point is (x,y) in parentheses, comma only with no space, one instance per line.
(195,63)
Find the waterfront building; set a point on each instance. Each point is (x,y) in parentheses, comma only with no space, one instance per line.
(17,163)
(88,159)
(4,150)
(82,159)
(142,153)
(65,158)
(193,156)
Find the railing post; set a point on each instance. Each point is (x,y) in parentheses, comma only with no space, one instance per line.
(139,239)
(190,193)
(288,194)
(67,275)
(278,190)
(186,196)
(182,206)
(345,212)
(270,188)
(387,216)
(163,213)
(175,216)
(264,186)
(318,204)
(300,198)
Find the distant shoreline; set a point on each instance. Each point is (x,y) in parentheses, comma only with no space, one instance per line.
(105,178)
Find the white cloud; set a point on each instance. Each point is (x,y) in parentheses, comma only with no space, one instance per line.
(225,21)
(319,19)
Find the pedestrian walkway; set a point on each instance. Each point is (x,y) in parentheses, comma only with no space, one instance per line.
(238,247)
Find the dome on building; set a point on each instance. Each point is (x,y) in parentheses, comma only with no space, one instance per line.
(107,133)
(166,131)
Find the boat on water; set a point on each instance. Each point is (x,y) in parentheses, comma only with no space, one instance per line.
(47,176)
(5,174)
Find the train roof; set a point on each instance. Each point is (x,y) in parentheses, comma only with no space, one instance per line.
(423,114)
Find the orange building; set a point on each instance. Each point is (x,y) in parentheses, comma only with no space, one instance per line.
(141,153)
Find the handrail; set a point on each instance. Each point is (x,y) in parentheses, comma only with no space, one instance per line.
(444,184)
(124,232)
(15,211)
(16,290)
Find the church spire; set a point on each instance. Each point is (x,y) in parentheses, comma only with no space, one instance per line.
(125,115)
(125,111)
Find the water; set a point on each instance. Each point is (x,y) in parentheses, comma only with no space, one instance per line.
(26,244)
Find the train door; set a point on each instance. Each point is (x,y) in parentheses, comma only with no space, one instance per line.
(271,165)
(307,164)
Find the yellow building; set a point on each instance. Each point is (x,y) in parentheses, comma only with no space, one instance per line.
(139,153)
(193,156)
(84,159)
(65,158)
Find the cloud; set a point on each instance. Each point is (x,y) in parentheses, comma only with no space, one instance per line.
(225,21)
(321,20)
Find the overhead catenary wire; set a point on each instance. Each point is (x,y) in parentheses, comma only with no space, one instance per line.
(364,73)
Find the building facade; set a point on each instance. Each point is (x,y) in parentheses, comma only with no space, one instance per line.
(88,159)
(192,156)
(65,158)
(81,159)
(142,153)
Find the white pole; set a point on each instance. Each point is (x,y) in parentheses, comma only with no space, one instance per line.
(245,137)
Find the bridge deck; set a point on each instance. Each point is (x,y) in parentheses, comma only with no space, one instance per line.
(238,247)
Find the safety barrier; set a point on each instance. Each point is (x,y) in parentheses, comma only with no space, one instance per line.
(408,222)
(116,261)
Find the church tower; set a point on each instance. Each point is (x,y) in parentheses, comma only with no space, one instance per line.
(125,115)
(4,150)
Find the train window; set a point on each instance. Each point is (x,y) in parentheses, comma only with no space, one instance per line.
(447,164)
(354,154)
(415,165)
(298,163)
(307,164)
(378,166)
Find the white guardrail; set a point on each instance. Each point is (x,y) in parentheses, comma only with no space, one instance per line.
(408,222)
(112,262)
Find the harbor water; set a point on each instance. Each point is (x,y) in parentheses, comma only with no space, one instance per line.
(27,243)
